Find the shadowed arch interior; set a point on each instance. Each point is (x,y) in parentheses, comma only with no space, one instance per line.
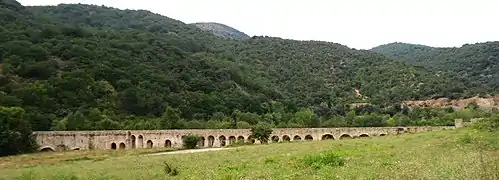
(240,139)
(345,136)
(211,141)
(47,149)
(132,138)
(382,135)
(327,137)
(149,144)
(113,145)
(297,138)
(168,144)
(232,139)
(122,146)
(309,137)
(363,135)
(140,142)
(275,138)
(286,138)
(222,140)
(201,141)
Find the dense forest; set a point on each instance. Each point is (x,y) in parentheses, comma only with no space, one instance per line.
(478,63)
(86,67)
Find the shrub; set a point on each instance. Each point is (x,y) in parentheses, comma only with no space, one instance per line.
(324,159)
(190,141)
(261,132)
(169,170)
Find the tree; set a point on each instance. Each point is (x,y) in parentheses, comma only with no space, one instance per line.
(190,141)
(15,132)
(262,132)
(171,119)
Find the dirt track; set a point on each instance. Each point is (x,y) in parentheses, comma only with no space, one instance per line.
(190,151)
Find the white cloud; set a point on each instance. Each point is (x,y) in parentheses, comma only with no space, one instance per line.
(355,23)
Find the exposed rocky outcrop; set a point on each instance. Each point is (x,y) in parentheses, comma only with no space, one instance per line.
(487,103)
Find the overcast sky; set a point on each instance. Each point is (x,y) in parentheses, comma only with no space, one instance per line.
(360,24)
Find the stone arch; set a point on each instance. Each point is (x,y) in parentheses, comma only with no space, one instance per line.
(240,139)
(140,141)
(201,141)
(345,136)
(211,141)
(113,145)
(382,134)
(133,139)
(297,138)
(286,138)
(327,137)
(275,138)
(47,149)
(149,144)
(122,146)
(168,144)
(363,135)
(76,149)
(222,140)
(309,137)
(232,139)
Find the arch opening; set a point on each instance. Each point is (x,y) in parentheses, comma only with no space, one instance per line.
(240,139)
(222,140)
(327,137)
(275,138)
(132,138)
(122,146)
(363,136)
(309,137)
(211,141)
(168,144)
(382,135)
(201,141)
(297,138)
(47,149)
(76,149)
(232,140)
(345,136)
(140,142)
(149,144)
(113,145)
(286,138)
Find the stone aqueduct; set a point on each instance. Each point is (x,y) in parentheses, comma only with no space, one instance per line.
(124,139)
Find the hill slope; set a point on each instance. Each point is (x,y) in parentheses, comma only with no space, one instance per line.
(74,67)
(222,30)
(476,63)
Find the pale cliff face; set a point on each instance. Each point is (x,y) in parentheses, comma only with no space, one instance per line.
(487,103)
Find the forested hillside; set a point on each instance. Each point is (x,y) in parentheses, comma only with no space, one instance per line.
(76,67)
(476,63)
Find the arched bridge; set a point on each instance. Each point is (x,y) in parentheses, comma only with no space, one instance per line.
(131,139)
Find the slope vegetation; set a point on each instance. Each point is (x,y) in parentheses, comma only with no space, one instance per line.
(75,67)
(477,63)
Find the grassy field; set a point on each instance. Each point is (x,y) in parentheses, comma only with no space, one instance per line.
(452,154)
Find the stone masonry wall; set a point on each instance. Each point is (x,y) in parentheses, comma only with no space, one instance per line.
(124,139)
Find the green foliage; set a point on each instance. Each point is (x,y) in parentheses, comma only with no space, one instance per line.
(169,170)
(262,132)
(111,69)
(190,141)
(331,159)
(15,132)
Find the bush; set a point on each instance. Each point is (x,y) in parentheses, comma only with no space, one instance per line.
(324,159)
(489,124)
(261,132)
(190,141)
(15,132)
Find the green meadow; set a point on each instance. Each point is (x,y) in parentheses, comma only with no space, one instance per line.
(450,154)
